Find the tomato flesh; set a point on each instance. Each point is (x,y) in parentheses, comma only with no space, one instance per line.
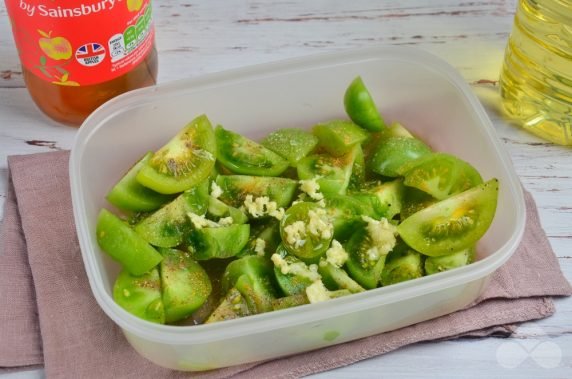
(452,224)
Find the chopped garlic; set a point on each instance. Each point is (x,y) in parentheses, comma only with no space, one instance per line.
(200,222)
(296,233)
(317,292)
(296,268)
(311,187)
(225,221)
(319,225)
(216,191)
(336,255)
(259,246)
(261,206)
(382,234)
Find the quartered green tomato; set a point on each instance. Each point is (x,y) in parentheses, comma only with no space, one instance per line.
(235,189)
(125,246)
(453,224)
(332,173)
(128,194)
(393,152)
(185,284)
(336,278)
(186,160)
(167,226)
(402,264)
(362,267)
(306,231)
(218,242)
(361,108)
(440,175)
(252,276)
(140,295)
(295,281)
(244,156)
(461,258)
(339,136)
(292,144)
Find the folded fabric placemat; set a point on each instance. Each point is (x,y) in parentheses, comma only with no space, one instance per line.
(48,315)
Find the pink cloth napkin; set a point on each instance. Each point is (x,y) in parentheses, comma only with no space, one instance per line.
(48,315)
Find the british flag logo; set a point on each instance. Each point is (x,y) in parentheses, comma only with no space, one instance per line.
(90,54)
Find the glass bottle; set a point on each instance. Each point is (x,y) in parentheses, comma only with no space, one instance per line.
(536,77)
(77,55)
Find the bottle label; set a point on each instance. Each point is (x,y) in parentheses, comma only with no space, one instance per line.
(79,43)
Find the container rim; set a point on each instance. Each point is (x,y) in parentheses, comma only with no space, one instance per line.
(263,322)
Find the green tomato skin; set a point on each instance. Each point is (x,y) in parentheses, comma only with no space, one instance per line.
(361,108)
(393,152)
(440,175)
(140,295)
(336,278)
(292,144)
(338,137)
(364,271)
(185,284)
(253,277)
(461,258)
(401,266)
(219,242)
(243,156)
(125,246)
(128,194)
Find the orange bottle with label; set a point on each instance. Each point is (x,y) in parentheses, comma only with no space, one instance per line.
(76,55)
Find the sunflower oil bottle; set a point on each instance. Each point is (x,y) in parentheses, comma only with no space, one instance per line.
(536,77)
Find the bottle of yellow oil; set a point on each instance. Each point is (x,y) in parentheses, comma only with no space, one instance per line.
(536,77)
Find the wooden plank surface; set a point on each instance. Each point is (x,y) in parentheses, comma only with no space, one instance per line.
(195,37)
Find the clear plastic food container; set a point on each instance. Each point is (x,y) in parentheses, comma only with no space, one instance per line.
(410,86)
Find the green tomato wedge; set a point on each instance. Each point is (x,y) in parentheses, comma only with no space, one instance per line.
(244,156)
(128,194)
(361,108)
(232,306)
(125,246)
(140,295)
(402,264)
(185,284)
(393,152)
(167,226)
(253,277)
(333,174)
(440,175)
(339,136)
(336,278)
(292,144)
(447,262)
(362,266)
(292,275)
(453,224)
(218,242)
(236,188)
(306,231)
(186,160)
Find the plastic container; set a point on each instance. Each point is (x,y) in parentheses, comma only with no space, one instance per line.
(409,85)
(536,77)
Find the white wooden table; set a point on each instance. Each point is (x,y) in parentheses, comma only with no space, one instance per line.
(195,37)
